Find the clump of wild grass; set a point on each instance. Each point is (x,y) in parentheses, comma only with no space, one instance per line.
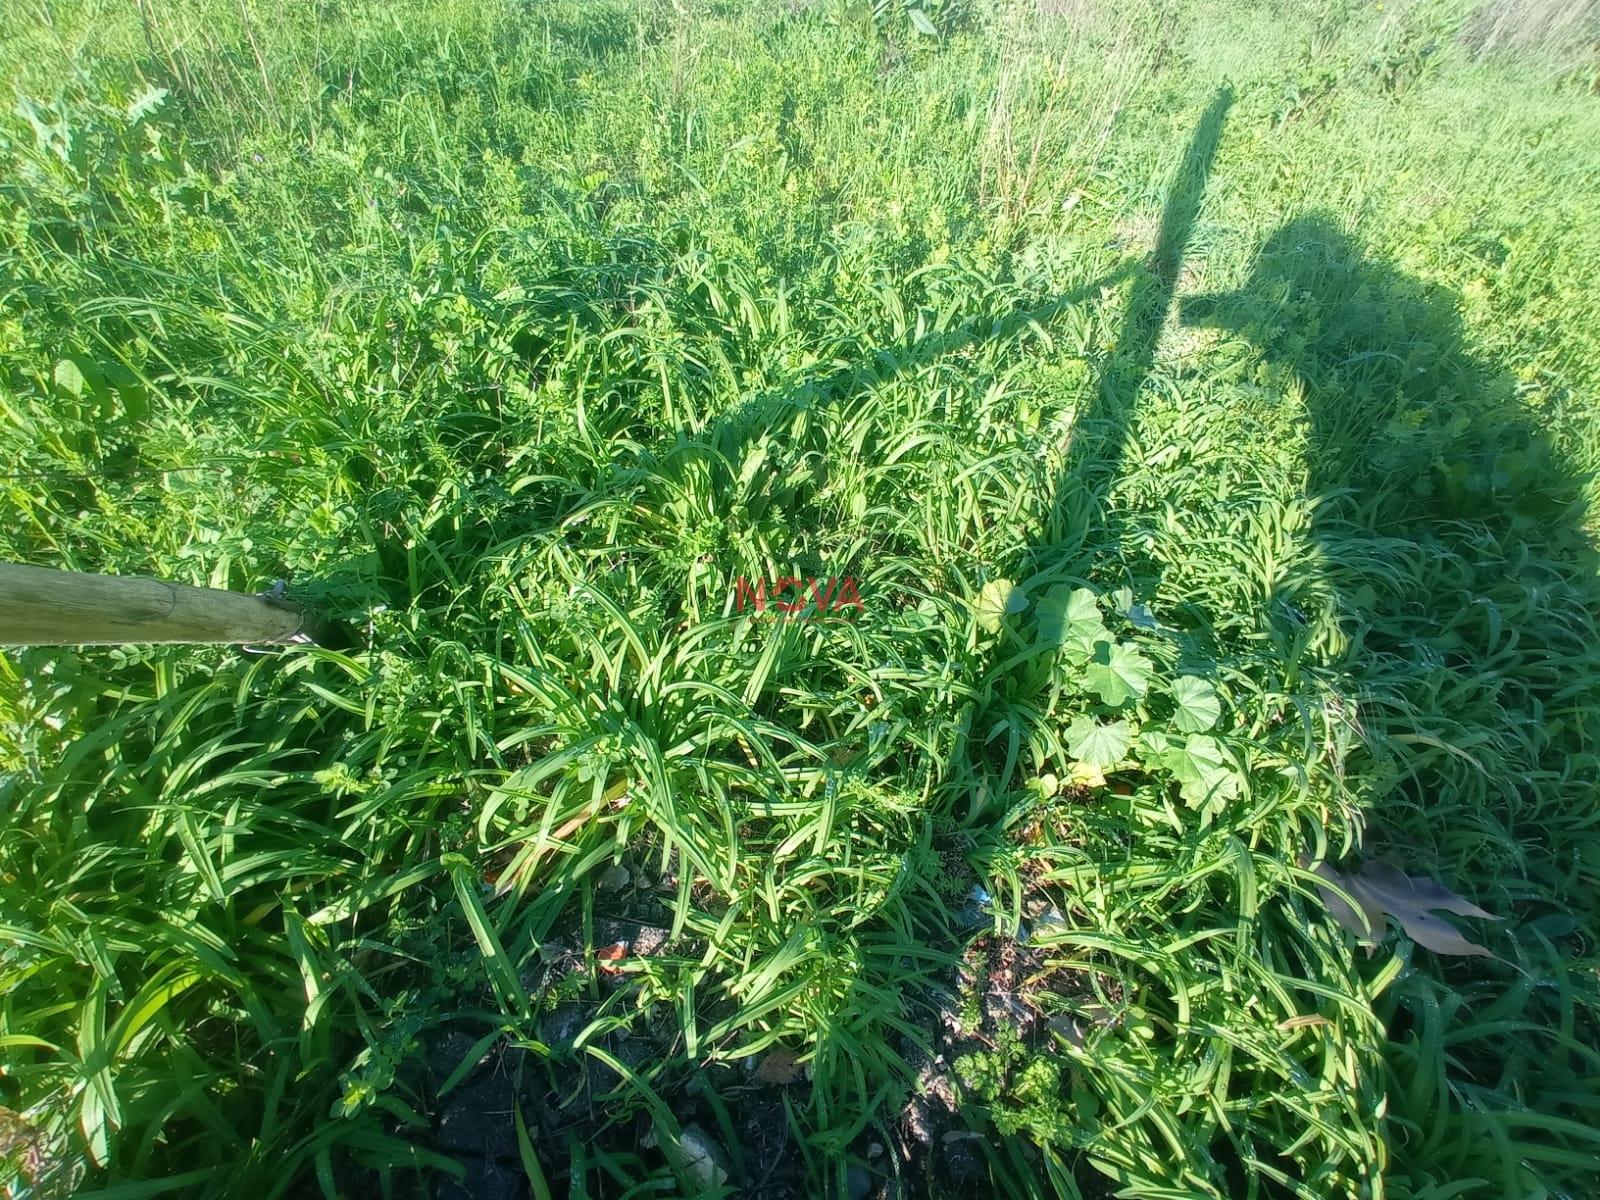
(1533,25)
(515,338)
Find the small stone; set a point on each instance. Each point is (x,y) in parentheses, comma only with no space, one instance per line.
(1005,1009)
(477,1118)
(649,940)
(563,1023)
(858,1183)
(961,1163)
(639,940)
(1068,1027)
(446,1052)
(704,1159)
(483,1181)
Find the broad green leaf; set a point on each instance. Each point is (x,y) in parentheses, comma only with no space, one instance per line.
(998,598)
(923,24)
(1197,705)
(69,378)
(1070,617)
(147,102)
(1117,673)
(1099,744)
(1155,743)
(1203,773)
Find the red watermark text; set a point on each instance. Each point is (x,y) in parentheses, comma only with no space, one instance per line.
(809,598)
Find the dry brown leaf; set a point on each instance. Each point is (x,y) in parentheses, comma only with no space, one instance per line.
(1380,890)
(780,1067)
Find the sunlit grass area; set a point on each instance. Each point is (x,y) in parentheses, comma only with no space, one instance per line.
(1196,400)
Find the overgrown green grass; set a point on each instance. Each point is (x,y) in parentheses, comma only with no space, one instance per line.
(1200,396)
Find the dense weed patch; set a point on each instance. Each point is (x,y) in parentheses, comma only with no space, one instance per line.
(1198,401)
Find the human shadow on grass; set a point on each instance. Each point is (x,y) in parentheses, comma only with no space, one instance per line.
(1100,435)
(1080,519)
(1447,534)
(1079,524)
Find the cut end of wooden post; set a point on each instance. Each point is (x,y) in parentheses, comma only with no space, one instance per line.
(44,607)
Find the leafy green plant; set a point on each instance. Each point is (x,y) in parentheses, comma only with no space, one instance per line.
(1200,543)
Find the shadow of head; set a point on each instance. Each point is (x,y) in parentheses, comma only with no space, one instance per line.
(1313,296)
(1398,407)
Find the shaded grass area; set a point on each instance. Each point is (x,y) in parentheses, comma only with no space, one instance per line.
(1200,399)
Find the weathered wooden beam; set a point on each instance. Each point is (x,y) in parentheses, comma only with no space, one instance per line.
(43,607)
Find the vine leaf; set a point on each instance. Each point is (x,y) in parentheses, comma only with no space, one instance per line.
(1117,673)
(1198,706)
(1070,617)
(1205,777)
(1098,745)
(998,599)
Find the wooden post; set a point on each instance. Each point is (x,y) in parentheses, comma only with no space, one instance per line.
(42,607)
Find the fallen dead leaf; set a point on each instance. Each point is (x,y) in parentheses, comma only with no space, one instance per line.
(1379,889)
(780,1067)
